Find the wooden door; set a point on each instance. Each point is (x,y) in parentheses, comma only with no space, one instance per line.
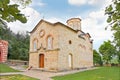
(41,60)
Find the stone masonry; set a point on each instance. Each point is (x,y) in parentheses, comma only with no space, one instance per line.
(3,50)
(59,47)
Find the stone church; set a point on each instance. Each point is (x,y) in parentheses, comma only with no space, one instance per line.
(59,47)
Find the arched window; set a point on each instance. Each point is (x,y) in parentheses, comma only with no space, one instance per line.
(35,45)
(50,42)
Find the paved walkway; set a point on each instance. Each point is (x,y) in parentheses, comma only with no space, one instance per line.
(47,75)
(39,74)
(42,75)
(18,67)
(10,73)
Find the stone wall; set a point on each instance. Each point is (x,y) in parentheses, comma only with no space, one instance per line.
(49,30)
(3,50)
(34,59)
(65,42)
(51,60)
(80,49)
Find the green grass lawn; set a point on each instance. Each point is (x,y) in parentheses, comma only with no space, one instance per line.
(103,73)
(16,77)
(4,68)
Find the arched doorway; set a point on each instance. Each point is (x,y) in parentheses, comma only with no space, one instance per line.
(70,61)
(0,55)
(41,60)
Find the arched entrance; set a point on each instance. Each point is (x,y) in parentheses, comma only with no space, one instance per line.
(0,55)
(41,60)
(70,61)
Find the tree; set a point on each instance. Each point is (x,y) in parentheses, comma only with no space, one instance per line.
(108,51)
(18,44)
(97,58)
(10,12)
(113,12)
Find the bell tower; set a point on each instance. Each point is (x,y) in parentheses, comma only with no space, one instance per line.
(74,23)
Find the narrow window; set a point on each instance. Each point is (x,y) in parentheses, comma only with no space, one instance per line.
(70,64)
(49,42)
(70,42)
(35,45)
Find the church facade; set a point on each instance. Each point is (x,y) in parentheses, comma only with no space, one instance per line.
(58,47)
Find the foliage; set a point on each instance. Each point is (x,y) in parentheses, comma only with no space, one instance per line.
(4,68)
(10,12)
(108,51)
(114,60)
(96,58)
(18,43)
(103,73)
(17,77)
(113,12)
(117,42)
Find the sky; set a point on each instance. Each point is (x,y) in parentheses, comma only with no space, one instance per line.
(91,12)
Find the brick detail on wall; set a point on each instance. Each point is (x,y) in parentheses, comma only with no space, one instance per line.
(3,50)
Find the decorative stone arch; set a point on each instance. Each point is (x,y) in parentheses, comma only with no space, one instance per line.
(70,61)
(49,41)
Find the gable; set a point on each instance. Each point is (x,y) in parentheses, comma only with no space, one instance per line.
(40,22)
(53,24)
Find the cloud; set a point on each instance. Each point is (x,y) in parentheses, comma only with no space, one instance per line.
(86,2)
(92,2)
(38,3)
(95,24)
(32,16)
(54,19)
(95,2)
(77,2)
(41,4)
